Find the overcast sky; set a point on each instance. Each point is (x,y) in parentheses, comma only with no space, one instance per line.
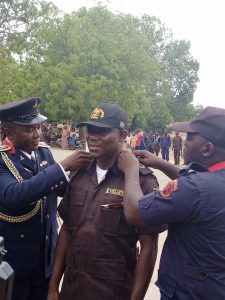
(202,22)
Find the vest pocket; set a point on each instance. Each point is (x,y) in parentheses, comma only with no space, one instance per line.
(110,220)
(109,269)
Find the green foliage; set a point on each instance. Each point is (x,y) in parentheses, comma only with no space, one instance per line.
(76,61)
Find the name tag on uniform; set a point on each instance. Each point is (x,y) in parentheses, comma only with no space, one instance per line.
(114,192)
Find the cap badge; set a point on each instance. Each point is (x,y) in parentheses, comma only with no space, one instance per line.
(97,113)
(122,125)
(35,104)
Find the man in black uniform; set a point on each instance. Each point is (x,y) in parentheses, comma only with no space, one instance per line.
(29,185)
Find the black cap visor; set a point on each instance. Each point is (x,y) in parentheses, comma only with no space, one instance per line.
(95,123)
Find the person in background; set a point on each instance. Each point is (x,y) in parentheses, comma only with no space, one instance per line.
(151,141)
(96,249)
(138,139)
(29,186)
(193,204)
(177,145)
(72,139)
(148,141)
(156,143)
(165,143)
(64,137)
(132,142)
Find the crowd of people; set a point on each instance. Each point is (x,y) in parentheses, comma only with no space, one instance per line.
(64,136)
(111,200)
(154,142)
(67,137)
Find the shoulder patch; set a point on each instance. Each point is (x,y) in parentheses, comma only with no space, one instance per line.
(168,190)
(4,148)
(144,170)
(43,144)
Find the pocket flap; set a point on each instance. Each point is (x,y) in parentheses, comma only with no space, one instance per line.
(109,269)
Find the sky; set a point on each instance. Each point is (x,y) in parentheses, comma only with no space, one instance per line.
(201,22)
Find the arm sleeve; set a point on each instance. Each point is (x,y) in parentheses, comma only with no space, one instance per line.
(149,184)
(182,204)
(17,195)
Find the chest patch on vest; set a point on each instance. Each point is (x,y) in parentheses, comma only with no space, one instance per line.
(168,190)
(114,192)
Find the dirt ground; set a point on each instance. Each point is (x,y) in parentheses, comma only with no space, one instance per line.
(153,292)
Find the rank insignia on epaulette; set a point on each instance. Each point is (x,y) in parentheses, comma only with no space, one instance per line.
(114,192)
(168,190)
(144,170)
(4,148)
(43,163)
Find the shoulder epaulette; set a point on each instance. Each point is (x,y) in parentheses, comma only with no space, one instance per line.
(192,168)
(44,145)
(4,148)
(144,170)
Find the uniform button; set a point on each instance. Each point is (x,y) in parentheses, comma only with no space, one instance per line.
(46,237)
(22,236)
(52,188)
(61,182)
(44,198)
(56,186)
(47,216)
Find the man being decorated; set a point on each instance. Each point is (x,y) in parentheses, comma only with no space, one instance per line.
(96,249)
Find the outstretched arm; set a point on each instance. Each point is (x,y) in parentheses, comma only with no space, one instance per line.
(129,164)
(150,160)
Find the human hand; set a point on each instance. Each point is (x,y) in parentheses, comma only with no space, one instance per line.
(126,160)
(77,160)
(148,159)
(53,294)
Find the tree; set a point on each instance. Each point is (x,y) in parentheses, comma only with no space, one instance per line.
(19,17)
(180,70)
(91,57)
(75,61)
